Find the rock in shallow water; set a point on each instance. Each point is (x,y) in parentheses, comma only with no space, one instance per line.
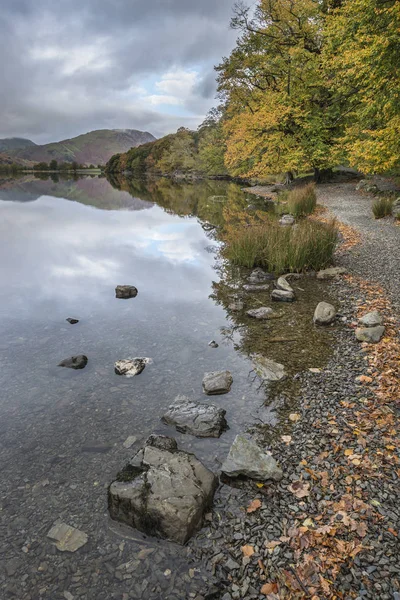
(126,291)
(259,276)
(247,458)
(131,366)
(69,539)
(372,335)
(75,362)
(256,288)
(282,296)
(283,284)
(264,312)
(201,420)
(72,321)
(324,314)
(372,319)
(217,382)
(268,369)
(213,344)
(165,494)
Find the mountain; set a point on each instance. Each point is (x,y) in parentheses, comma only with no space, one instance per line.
(95,147)
(7,144)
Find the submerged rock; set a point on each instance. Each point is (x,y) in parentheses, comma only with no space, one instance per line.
(72,321)
(256,288)
(259,276)
(264,312)
(126,291)
(201,420)
(69,539)
(372,335)
(331,273)
(213,344)
(236,306)
(268,369)
(163,492)
(247,458)
(282,296)
(324,314)
(75,362)
(217,382)
(131,366)
(283,284)
(372,319)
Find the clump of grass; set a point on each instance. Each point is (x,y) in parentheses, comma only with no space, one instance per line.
(309,245)
(299,202)
(382,208)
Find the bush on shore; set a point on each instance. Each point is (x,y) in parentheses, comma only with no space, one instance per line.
(308,246)
(382,208)
(299,202)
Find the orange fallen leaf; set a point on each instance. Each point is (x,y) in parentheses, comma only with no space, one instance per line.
(365,379)
(391,530)
(254,505)
(295,417)
(269,588)
(247,550)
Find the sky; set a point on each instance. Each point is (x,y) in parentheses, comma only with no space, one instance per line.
(72,66)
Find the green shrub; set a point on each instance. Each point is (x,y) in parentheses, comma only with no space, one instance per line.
(299,202)
(309,245)
(382,208)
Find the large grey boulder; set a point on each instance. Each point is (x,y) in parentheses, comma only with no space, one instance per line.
(372,335)
(201,420)
(264,312)
(75,362)
(247,458)
(126,291)
(283,284)
(282,296)
(163,492)
(217,382)
(268,369)
(331,273)
(324,314)
(371,319)
(259,276)
(131,366)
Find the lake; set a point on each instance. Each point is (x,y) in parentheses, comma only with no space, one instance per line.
(64,246)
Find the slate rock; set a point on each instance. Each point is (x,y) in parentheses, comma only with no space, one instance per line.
(72,321)
(126,291)
(167,495)
(331,273)
(372,335)
(264,312)
(324,314)
(268,369)
(75,362)
(283,284)
(247,458)
(131,366)
(217,382)
(282,296)
(372,319)
(69,539)
(199,419)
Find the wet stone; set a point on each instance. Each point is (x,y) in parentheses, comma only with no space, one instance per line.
(68,539)
(268,369)
(130,440)
(126,291)
(324,314)
(331,273)
(213,344)
(264,312)
(259,276)
(201,420)
(282,296)
(283,284)
(247,458)
(131,366)
(217,382)
(72,321)
(256,288)
(75,362)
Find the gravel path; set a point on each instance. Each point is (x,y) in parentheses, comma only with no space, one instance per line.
(377,259)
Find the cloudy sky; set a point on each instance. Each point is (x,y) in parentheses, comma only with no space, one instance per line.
(70,66)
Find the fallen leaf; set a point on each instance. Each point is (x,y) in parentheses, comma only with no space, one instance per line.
(272,545)
(308,523)
(295,417)
(269,588)
(286,438)
(260,485)
(364,379)
(254,505)
(393,531)
(349,452)
(299,489)
(362,529)
(313,370)
(247,550)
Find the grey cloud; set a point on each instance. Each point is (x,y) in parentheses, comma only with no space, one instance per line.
(47,91)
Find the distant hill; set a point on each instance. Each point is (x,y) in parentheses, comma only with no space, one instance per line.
(7,144)
(95,147)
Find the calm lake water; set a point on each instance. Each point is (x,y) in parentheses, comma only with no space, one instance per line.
(64,246)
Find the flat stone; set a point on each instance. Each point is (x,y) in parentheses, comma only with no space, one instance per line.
(331,273)
(126,291)
(201,420)
(72,321)
(256,288)
(264,312)
(12,566)
(371,319)
(372,335)
(247,458)
(69,539)
(259,276)
(68,596)
(130,440)
(217,382)
(268,369)
(236,306)
(287,221)
(324,314)
(75,362)
(282,296)
(283,284)
(166,495)
(131,366)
